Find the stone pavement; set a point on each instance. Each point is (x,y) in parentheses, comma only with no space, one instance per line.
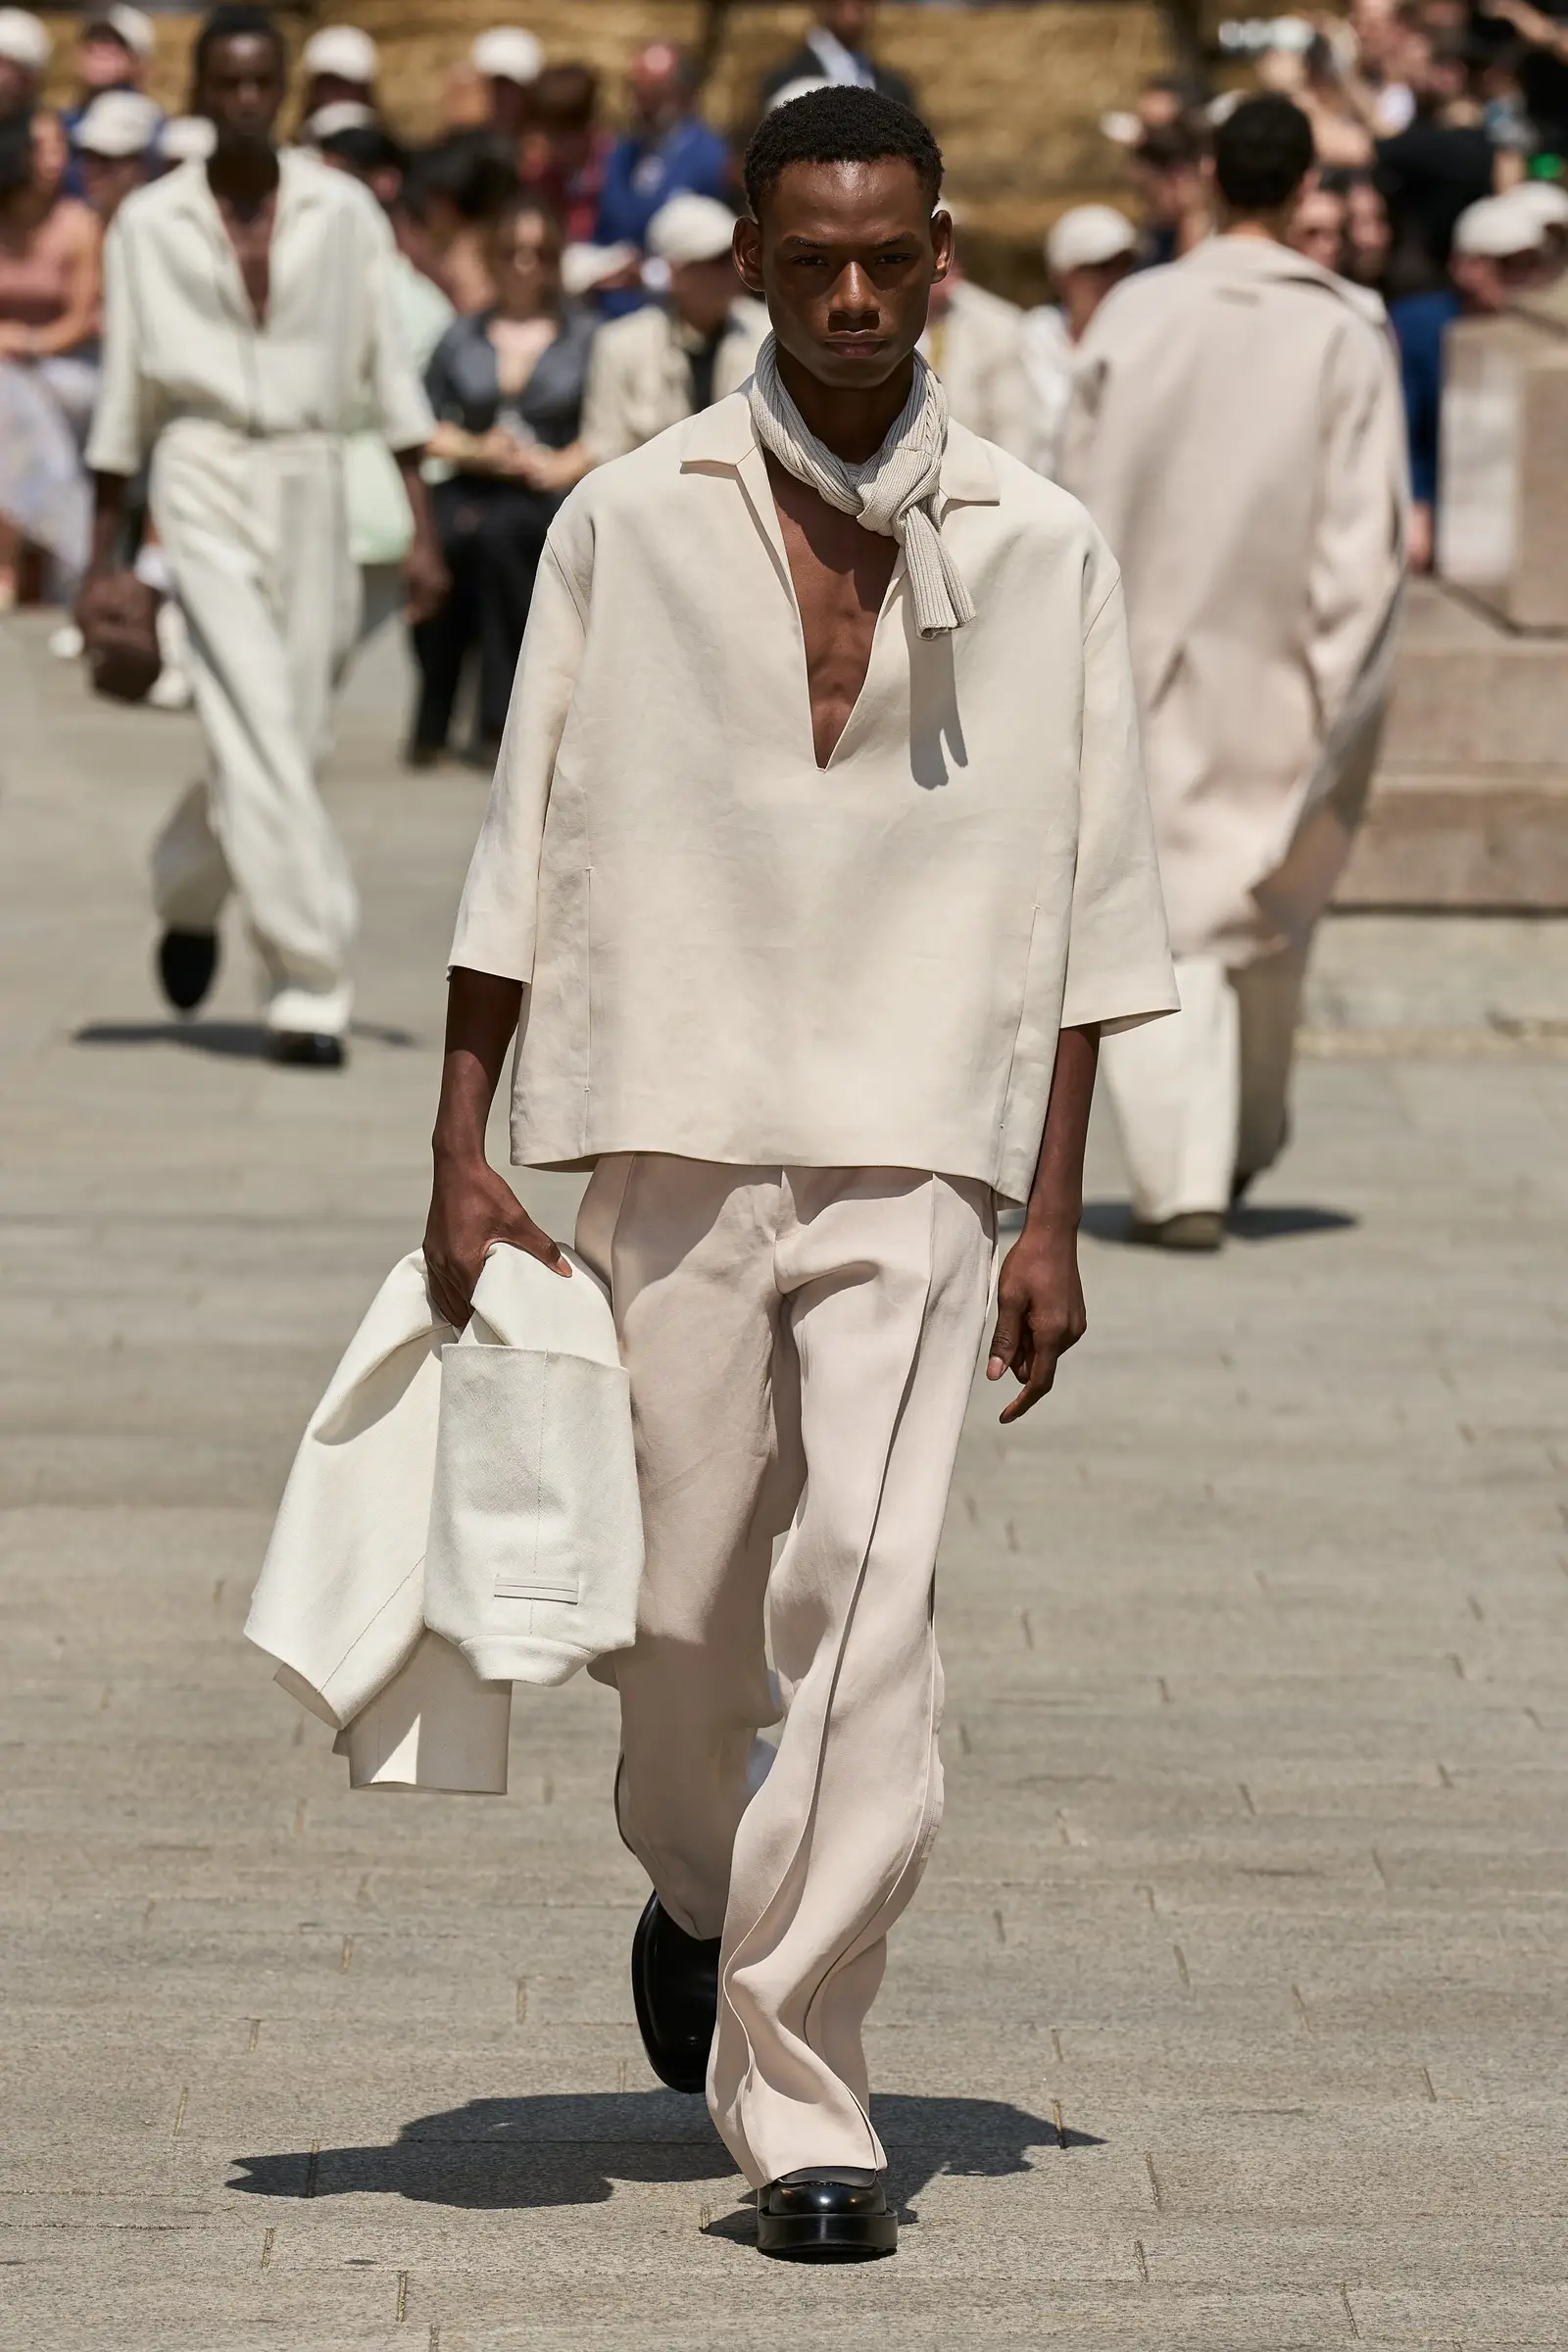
(1231,2012)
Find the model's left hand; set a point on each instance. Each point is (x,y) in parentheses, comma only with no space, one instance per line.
(427,581)
(1039,1314)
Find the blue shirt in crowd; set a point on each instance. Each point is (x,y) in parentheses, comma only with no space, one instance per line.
(1419,322)
(642,173)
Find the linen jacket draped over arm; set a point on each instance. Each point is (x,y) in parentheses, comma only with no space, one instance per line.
(181,341)
(734,954)
(1236,432)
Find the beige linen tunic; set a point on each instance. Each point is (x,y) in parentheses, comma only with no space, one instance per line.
(1236,432)
(737,956)
(640,379)
(180,339)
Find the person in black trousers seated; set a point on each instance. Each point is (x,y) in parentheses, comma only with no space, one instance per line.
(507,390)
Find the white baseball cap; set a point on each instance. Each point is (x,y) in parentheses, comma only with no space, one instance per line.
(23,41)
(1497,229)
(1545,201)
(1087,236)
(584,267)
(506,53)
(341,50)
(187,139)
(129,27)
(344,114)
(803,88)
(690,228)
(118,123)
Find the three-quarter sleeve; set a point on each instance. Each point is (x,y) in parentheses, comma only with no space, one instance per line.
(124,426)
(498,916)
(1118,950)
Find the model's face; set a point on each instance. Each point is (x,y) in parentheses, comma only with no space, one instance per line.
(243,90)
(844,256)
(1084,290)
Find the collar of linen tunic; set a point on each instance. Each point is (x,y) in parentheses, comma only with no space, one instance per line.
(734,954)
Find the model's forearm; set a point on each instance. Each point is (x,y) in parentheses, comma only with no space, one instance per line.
(108,515)
(1056,1196)
(482,1012)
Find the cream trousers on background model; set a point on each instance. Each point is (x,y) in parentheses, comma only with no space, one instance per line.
(1200,1099)
(802,1344)
(255,538)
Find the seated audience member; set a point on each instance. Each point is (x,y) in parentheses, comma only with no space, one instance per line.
(1497,251)
(24,52)
(51,269)
(563,154)
(115,48)
(506,388)
(668,149)
(454,192)
(509,63)
(339,63)
(974,340)
(1090,250)
(50,285)
(680,354)
(1167,168)
(117,144)
(837,50)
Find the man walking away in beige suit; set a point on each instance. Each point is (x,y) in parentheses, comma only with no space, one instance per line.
(250,321)
(1236,432)
(672,358)
(816,862)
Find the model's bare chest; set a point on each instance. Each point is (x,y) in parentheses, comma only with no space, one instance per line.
(840,572)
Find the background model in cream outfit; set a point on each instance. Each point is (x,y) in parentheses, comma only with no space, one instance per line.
(975,343)
(244,422)
(1236,432)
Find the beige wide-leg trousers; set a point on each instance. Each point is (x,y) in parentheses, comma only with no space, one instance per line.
(802,1344)
(1201,1097)
(257,540)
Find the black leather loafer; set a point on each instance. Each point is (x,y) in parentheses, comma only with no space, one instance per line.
(307,1049)
(674,1989)
(833,2214)
(187,961)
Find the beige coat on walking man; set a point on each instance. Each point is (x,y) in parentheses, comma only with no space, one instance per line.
(1236,432)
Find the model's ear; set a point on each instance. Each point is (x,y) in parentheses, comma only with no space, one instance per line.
(941,243)
(749,253)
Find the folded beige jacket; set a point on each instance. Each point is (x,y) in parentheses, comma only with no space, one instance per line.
(462,1514)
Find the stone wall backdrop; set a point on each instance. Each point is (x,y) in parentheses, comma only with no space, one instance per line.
(1014,93)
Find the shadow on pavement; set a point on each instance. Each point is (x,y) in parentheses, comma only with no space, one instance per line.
(242,1041)
(1250,1221)
(570,2148)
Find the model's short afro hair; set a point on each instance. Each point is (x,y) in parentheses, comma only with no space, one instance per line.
(838,125)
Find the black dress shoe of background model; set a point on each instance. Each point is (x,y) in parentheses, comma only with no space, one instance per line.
(187,964)
(307,1049)
(835,2213)
(674,1989)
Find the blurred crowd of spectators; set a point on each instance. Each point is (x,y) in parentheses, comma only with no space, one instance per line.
(568,291)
